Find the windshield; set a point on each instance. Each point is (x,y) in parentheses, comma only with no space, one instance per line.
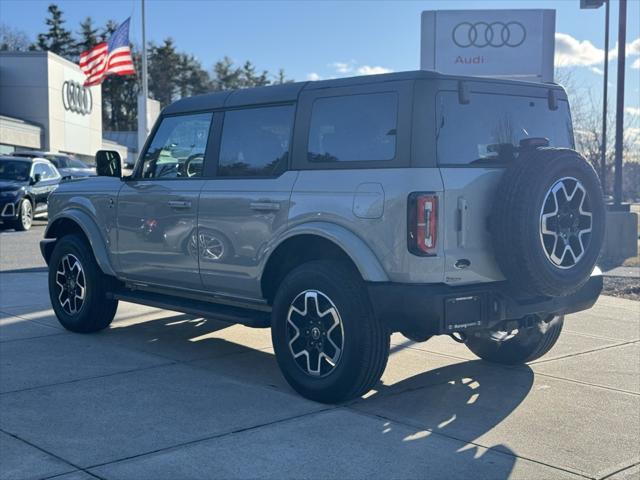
(14,170)
(62,161)
(484,129)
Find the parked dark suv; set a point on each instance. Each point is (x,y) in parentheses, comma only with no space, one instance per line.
(339,211)
(25,185)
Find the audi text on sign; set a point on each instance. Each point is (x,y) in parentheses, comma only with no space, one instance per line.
(76,98)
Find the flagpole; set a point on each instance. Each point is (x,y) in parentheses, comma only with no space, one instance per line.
(145,83)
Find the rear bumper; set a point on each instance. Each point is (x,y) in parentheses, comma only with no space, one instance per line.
(434,309)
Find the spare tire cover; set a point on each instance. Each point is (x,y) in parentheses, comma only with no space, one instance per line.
(548,221)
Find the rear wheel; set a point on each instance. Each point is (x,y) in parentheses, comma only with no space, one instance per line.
(77,287)
(517,342)
(328,343)
(25,216)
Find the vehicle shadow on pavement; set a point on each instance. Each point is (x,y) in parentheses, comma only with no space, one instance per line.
(461,401)
(430,413)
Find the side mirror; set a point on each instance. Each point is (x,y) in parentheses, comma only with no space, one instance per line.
(108,163)
(36,178)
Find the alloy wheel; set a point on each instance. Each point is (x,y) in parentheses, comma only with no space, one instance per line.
(26,214)
(315,333)
(71,283)
(566,222)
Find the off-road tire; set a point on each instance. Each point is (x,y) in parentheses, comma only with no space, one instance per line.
(515,222)
(527,345)
(366,341)
(19,224)
(97,311)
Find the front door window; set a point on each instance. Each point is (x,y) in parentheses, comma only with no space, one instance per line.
(178,147)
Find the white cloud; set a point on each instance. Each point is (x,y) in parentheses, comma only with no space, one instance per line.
(313,76)
(596,70)
(351,67)
(636,64)
(342,67)
(635,111)
(571,52)
(369,70)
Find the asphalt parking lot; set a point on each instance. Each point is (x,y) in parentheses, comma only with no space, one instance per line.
(20,251)
(162,395)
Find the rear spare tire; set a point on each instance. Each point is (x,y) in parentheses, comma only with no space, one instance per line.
(548,222)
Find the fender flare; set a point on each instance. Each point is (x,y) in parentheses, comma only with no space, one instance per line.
(353,246)
(91,231)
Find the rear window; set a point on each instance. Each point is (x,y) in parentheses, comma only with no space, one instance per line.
(354,128)
(487,126)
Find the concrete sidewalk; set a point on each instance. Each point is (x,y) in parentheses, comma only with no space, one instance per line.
(162,395)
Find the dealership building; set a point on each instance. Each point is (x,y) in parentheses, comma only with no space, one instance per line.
(43,106)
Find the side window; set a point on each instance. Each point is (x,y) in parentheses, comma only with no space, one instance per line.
(353,128)
(178,147)
(37,169)
(42,170)
(49,172)
(255,141)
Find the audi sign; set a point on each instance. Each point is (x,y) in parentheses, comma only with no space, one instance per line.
(76,98)
(495,43)
(494,34)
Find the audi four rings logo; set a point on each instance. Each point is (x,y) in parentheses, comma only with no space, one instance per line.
(76,98)
(489,34)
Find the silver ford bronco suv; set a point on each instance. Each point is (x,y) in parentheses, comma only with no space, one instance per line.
(337,212)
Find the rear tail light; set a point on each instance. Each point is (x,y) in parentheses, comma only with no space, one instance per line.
(422,223)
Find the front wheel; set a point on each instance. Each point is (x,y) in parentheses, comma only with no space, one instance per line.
(25,216)
(77,287)
(532,338)
(329,345)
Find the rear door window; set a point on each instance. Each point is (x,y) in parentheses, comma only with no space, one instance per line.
(255,141)
(353,128)
(490,126)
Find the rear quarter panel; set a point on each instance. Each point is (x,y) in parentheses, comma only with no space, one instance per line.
(334,196)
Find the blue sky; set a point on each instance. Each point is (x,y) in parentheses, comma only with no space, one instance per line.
(311,39)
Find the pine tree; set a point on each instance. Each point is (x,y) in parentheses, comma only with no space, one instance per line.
(192,78)
(58,39)
(252,79)
(226,77)
(164,66)
(88,36)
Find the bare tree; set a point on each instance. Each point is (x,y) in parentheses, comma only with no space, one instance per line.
(13,39)
(586,113)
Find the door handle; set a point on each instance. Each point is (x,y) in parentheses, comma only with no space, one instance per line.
(463,209)
(179,204)
(265,206)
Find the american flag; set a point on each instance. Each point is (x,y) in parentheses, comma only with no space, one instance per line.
(108,58)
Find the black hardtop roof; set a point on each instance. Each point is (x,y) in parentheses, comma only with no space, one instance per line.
(289,92)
